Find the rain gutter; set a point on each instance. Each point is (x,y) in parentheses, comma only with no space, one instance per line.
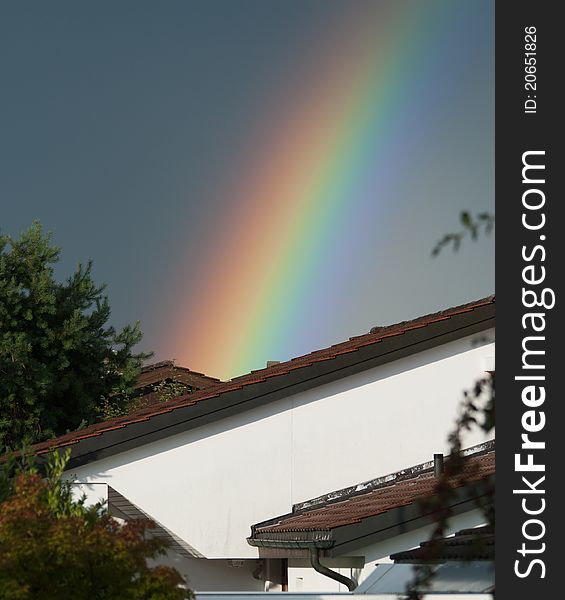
(318,541)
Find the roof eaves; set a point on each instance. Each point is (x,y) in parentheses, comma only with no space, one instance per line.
(273,383)
(370,516)
(369,530)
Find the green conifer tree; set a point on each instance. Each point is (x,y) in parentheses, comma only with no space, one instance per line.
(59,358)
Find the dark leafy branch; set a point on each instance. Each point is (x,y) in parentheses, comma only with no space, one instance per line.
(472,226)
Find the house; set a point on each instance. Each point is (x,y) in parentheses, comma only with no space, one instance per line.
(209,465)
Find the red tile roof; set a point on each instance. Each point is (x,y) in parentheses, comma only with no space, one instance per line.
(398,492)
(167,369)
(147,391)
(277,371)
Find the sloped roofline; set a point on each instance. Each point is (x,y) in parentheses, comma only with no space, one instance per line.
(300,519)
(256,388)
(378,507)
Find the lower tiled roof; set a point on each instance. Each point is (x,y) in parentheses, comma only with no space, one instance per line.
(395,491)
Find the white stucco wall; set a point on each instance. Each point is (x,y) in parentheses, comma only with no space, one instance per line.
(382,420)
(205,575)
(210,484)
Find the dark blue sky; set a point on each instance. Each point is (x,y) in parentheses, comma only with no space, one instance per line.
(118,118)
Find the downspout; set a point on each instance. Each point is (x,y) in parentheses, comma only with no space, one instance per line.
(318,566)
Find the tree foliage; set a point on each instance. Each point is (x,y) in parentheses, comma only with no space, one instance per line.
(55,548)
(471,227)
(59,359)
(162,391)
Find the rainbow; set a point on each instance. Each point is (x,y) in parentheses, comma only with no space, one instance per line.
(312,184)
